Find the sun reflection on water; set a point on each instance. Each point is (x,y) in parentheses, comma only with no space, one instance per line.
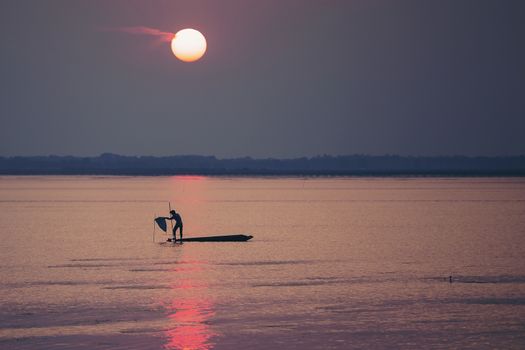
(188,315)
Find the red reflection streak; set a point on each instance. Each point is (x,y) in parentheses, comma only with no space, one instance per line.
(190,331)
(189,177)
(187,189)
(188,319)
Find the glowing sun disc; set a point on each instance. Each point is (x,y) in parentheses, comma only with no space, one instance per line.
(188,45)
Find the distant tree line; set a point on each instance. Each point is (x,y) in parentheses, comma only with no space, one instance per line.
(358,165)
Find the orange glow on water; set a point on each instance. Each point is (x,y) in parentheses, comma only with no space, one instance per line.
(190,331)
(190,177)
(189,312)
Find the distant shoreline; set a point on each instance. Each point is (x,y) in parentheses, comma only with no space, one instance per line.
(291,175)
(343,166)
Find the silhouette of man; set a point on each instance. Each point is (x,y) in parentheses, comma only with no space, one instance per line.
(178,224)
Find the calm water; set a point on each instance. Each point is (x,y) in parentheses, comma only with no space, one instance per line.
(336,263)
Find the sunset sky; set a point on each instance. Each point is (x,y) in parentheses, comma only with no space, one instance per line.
(278,79)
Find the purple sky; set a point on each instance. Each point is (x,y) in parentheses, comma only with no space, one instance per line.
(280,78)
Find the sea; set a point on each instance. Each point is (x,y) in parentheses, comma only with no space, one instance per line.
(335,263)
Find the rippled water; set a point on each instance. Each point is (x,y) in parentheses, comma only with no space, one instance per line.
(336,263)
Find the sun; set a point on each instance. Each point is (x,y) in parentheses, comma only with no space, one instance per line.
(188,45)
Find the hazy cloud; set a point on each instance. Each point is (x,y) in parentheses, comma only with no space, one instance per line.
(141,30)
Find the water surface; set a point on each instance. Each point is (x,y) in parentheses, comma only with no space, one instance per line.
(336,263)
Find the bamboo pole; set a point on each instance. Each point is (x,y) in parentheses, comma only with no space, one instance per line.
(171,225)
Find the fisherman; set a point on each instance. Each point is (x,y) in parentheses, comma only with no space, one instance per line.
(178,224)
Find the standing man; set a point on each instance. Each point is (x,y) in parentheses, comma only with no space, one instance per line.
(178,224)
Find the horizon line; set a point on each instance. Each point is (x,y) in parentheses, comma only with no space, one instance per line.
(457,155)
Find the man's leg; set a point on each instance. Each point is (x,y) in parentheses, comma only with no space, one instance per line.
(181,233)
(175,234)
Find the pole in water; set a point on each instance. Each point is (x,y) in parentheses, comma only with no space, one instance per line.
(154,227)
(171,225)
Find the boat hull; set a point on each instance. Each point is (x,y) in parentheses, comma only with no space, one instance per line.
(228,238)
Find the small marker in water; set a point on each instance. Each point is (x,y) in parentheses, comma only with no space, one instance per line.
(450,279)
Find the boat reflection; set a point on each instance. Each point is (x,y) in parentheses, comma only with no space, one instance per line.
(189,313)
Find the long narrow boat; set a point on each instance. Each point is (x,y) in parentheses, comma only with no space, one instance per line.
(229,238)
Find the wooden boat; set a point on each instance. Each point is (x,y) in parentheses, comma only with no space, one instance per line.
(228,238)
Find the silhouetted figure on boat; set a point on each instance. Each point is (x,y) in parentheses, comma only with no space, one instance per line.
(178,224)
